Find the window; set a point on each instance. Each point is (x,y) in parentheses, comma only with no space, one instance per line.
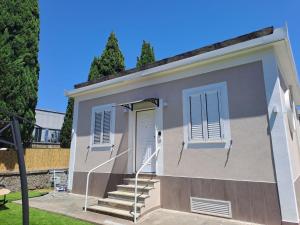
(103,126)
(205,116)
(46,136)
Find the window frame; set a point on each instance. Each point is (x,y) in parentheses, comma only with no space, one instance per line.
(102,108)
(225,140)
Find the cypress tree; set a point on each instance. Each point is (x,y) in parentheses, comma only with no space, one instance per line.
(19,68)
(94,71)
(66,130)
(147,55)
(110,62)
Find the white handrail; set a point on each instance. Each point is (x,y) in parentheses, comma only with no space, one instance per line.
(136,177)
(88,176)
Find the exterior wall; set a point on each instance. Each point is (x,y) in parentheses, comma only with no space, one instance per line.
(249,158)
(48,119)
(293,138)
(251,201)
(100,183)
(49,131)
(87,157)
(294,149)
(244,174)
(297,190)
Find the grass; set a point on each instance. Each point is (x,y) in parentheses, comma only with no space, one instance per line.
(31,194)
(11,214)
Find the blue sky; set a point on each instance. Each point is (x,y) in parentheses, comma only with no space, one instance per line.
(73,32)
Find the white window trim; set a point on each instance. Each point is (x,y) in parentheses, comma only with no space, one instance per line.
(225,142)
(101,108)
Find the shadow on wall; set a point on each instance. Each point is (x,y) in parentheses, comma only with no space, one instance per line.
(101,183)
(8,161)
(119,168)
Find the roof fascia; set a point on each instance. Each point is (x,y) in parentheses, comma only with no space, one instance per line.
(278,35)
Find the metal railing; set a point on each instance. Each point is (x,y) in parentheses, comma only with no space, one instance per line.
(136,177)
(88,176)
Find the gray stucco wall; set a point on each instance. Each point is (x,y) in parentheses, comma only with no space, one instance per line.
(250,157)
(292,136)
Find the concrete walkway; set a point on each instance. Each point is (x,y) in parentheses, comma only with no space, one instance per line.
(71,205)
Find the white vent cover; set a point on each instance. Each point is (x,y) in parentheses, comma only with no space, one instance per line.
(211,207)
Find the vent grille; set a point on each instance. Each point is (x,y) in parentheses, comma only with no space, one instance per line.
(211,207)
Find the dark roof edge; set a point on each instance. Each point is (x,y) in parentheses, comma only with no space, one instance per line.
(246,37)
(49,111)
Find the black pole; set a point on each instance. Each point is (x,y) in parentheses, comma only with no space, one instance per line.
(22,168)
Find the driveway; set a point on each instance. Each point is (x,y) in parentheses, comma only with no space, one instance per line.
(71,205)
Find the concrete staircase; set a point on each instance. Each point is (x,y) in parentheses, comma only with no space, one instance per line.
(120,203)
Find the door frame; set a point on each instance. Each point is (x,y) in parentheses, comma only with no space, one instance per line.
(132,138)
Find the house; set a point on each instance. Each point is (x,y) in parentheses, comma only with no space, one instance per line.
(48,134)
(219,122)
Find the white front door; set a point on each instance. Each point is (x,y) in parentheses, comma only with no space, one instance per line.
(145,139)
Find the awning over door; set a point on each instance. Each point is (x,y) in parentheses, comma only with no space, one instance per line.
(145,103)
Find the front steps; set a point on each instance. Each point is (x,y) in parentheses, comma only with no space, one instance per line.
(120,203)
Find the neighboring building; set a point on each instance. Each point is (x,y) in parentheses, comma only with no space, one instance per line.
(50,123)
(222,119)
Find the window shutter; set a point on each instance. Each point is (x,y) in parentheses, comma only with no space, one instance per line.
(106,127)
(213,115)
(97,127)
(196,118)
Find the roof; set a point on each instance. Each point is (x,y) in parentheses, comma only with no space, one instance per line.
(49,111)
(250,36)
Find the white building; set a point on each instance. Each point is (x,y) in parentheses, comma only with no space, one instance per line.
(50,123)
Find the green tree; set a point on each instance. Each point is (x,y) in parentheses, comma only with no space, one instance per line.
(19,68)
(147,55)
(110,62)
(66,130)
(94,71)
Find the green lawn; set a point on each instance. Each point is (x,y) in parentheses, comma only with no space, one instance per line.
(11,214)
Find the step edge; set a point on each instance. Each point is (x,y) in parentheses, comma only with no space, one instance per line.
(127,193)
(121,202)
(120,212)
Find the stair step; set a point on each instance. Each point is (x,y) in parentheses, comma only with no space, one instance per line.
(147,175)
(131,188)
(112,211)
(122,195)
(141,181)
(117,202)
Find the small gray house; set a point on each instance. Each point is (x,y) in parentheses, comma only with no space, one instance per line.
(48,134)
(211,131)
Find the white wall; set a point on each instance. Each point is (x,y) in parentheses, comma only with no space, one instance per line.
(50,120)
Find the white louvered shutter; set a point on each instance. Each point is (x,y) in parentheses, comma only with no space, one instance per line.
(97,128)
(213,115)
(196,118)
(106,127)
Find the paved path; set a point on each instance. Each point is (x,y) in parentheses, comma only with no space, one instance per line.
(71,205)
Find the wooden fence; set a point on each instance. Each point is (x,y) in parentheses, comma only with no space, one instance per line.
(35,159)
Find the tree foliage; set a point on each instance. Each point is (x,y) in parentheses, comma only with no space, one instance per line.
(94,71)
(147,55)
(110,62)
(66,130)
(19,68)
